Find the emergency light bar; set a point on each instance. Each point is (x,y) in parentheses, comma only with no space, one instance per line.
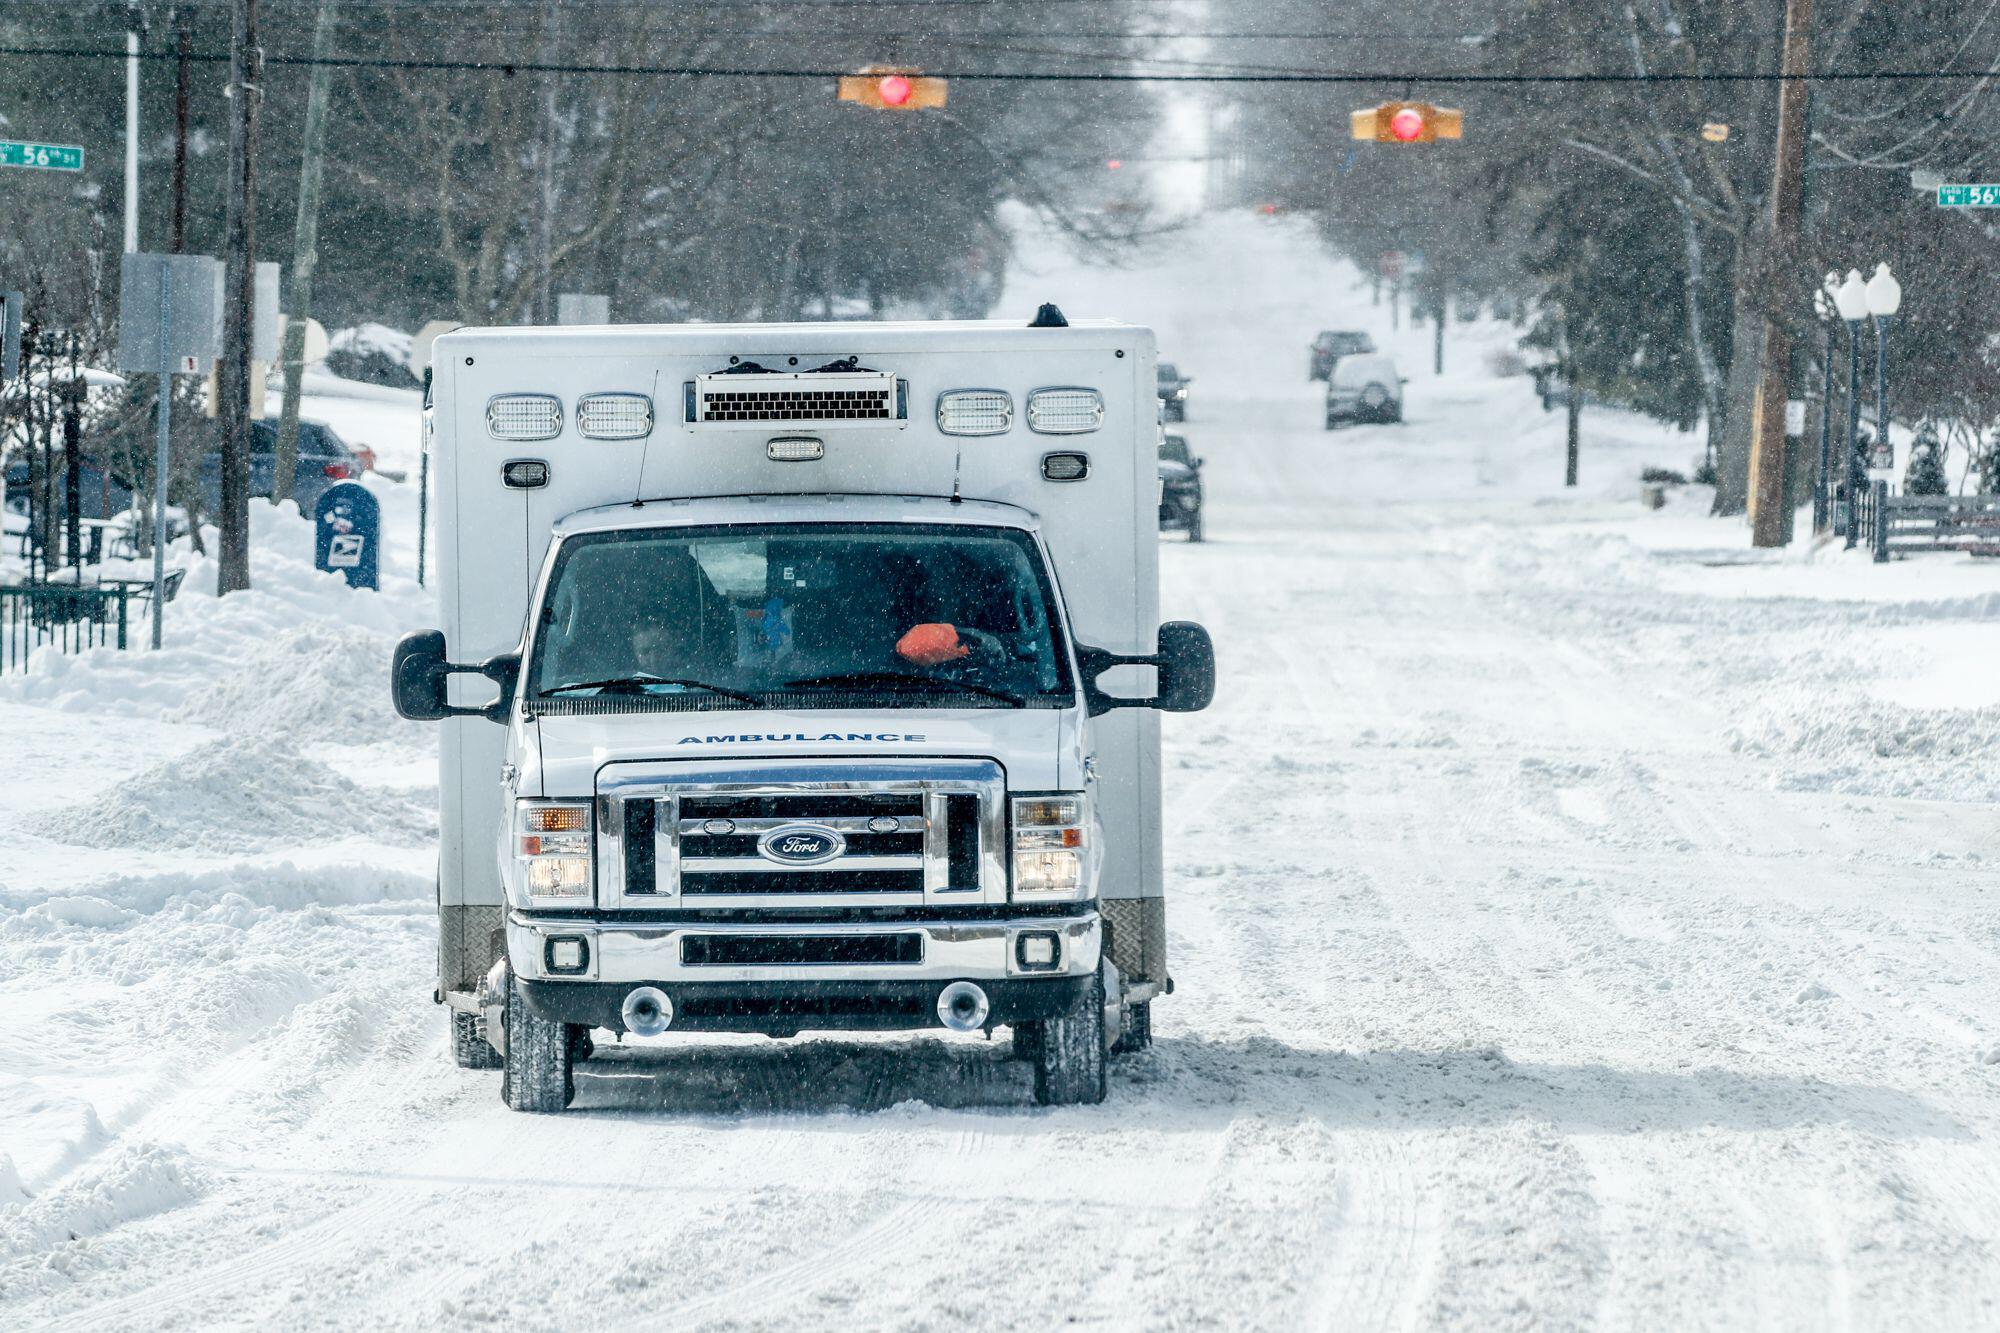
(819,399)
(614,416)
(975,412)
(1065,411)
(524,416)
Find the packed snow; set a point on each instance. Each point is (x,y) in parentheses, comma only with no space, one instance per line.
(1578,920)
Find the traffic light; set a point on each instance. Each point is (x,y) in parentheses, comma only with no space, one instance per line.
(1407,122)
(892,89)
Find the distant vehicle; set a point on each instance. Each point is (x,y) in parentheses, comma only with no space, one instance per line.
(1180,487)
(324,458)
(1174,391)
(1333,344)
(103,493)
(1364,387)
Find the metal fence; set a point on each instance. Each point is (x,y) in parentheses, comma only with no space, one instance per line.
(1910,524)
(67,619)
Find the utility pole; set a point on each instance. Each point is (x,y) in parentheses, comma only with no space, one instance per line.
(545,221)
(305,254)
(239,296)
(133,21)
(183,48)
(1767,417)
(1437,336)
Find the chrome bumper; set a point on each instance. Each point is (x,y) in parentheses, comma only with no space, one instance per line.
(631,952)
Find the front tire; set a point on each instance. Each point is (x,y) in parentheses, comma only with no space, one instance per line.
(469,1050)
(1194,525)
(1069,1052)
(540,1061)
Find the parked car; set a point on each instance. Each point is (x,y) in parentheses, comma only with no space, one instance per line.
(1333,344)
(1180,487)
(324,458)
(1364,387)
(1173,391)
(103,493)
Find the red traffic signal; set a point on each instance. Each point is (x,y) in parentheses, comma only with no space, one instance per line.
(1407,122)
(893,89)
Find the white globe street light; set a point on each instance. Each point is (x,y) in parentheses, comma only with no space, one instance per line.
(1885,294)
(1851,297)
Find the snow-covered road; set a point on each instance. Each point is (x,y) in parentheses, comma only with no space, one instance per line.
(1576,922)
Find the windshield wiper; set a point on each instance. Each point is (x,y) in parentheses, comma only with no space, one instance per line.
(636,682)
(938,684)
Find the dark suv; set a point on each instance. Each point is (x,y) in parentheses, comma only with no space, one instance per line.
(1180,487)
(1173,390)
(1333,344)
(324,458)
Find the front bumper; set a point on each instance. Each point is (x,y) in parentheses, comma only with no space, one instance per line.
(785,998)
(788,1008)
(634,952)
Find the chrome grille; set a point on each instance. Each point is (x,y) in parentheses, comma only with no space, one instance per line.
(907,834)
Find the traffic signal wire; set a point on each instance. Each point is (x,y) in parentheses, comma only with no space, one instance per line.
(1303,77)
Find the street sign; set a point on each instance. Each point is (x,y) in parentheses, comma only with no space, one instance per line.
(582,308)
(1968,196)
(41,156)
(188,322)
(420,345)
(169,322)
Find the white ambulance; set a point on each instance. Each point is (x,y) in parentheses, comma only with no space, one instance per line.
(798,677)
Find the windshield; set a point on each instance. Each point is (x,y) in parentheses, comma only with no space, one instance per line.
(1168,371)
(1174,449)
(801,616)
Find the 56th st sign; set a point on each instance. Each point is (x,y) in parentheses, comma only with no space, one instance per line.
(41,156)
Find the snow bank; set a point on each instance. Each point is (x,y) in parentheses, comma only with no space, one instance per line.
(292,654)
(135,1180)
(378,339)
(243,793)
(281,885)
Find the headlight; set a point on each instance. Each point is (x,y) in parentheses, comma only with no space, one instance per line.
(1051,847)
(552,849)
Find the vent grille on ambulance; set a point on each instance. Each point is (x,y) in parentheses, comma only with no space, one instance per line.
(860,397)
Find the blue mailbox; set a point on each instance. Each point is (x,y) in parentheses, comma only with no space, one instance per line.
(347,524)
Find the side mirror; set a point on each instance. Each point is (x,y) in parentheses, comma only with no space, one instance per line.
(419,672)
(1185,663)
(1199,461)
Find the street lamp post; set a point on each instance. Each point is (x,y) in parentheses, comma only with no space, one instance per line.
(1823,487)
(1885,298)
(1850,299)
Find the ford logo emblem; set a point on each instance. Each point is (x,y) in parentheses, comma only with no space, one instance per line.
(800,845)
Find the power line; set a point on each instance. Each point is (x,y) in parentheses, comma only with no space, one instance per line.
(1041,76)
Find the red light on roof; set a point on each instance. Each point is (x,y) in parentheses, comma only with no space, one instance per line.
(1114,164)
(1407,124)
(895,90)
